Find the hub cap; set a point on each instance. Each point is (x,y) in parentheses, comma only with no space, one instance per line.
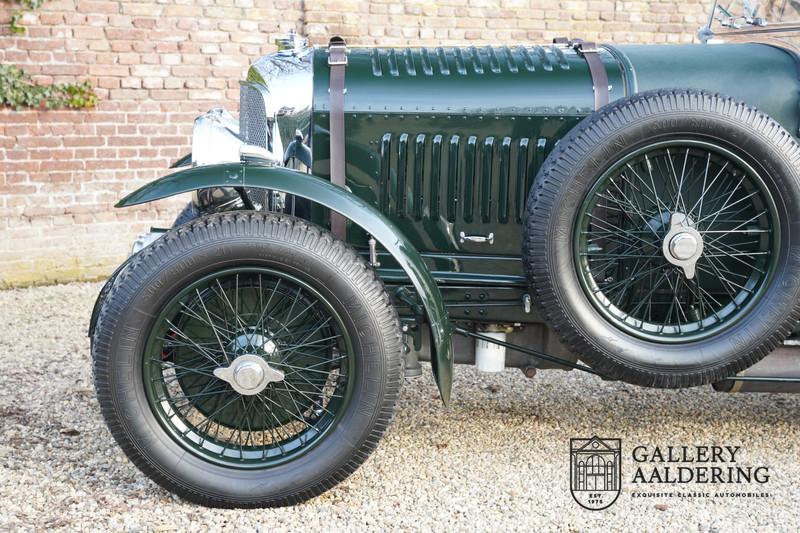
(248,367)
(249,374)
(676,241)
(683,245)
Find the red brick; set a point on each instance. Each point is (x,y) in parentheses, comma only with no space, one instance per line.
(109,70)
(89,32)
(51,19)
(96,6)
(141,22)
(126,34)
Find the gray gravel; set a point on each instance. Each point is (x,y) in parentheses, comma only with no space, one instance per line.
(497,459)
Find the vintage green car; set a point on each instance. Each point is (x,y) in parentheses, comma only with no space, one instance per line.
(634,208)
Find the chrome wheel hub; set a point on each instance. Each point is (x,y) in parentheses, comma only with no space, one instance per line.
(683,245)
(248,374)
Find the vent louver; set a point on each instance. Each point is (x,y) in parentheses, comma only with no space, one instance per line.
(467,178)
(466,61)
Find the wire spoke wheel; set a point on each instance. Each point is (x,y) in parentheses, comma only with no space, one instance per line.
(247,360)
(660,237)
(676,240)
(248,367)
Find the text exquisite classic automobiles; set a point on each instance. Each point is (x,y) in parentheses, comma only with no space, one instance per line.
(635,208)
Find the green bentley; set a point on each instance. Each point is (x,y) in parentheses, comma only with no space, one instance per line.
(628,211)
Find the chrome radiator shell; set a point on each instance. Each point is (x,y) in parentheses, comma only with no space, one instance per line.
(275,99)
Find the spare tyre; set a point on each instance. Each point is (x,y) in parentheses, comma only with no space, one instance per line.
(662,238)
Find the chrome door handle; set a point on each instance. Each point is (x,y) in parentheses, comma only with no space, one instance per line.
(463,237)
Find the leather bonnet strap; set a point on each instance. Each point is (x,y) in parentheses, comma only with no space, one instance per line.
(597,70)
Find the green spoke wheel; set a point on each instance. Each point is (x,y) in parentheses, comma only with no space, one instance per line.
(659,238)
(247,360)
(663,202)
(252,320)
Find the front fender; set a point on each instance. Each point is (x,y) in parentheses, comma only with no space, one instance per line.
(336,199)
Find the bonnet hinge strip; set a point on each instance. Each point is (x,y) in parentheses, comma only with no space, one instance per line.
(597,70)
(337,61)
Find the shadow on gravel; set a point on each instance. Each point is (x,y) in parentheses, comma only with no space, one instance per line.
(581,400)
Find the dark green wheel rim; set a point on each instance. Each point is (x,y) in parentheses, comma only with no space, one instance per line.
(249,312)
(626,216)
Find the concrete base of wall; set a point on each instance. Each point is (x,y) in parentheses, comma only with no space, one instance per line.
(39,252)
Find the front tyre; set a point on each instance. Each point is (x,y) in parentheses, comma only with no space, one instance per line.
(247,360)
(662,234)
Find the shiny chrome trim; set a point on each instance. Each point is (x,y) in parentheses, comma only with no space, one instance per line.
(285,80)
(215,139)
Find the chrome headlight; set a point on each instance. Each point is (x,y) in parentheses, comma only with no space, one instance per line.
(216,139)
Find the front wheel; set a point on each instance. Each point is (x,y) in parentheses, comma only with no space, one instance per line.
(247,360)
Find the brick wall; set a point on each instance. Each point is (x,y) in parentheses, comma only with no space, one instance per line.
(389,22)
(156,64)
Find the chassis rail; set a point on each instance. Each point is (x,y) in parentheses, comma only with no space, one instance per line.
(558,360)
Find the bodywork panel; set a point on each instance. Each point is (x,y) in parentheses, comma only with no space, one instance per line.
(449,140)
(761,75)
(337,199)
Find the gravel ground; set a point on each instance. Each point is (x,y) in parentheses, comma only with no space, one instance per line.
(497,459)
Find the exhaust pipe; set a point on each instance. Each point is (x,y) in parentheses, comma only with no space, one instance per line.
(780,370)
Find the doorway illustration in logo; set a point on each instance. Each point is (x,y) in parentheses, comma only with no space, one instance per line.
(595,471)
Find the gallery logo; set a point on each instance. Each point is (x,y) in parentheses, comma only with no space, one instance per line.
(595,471)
